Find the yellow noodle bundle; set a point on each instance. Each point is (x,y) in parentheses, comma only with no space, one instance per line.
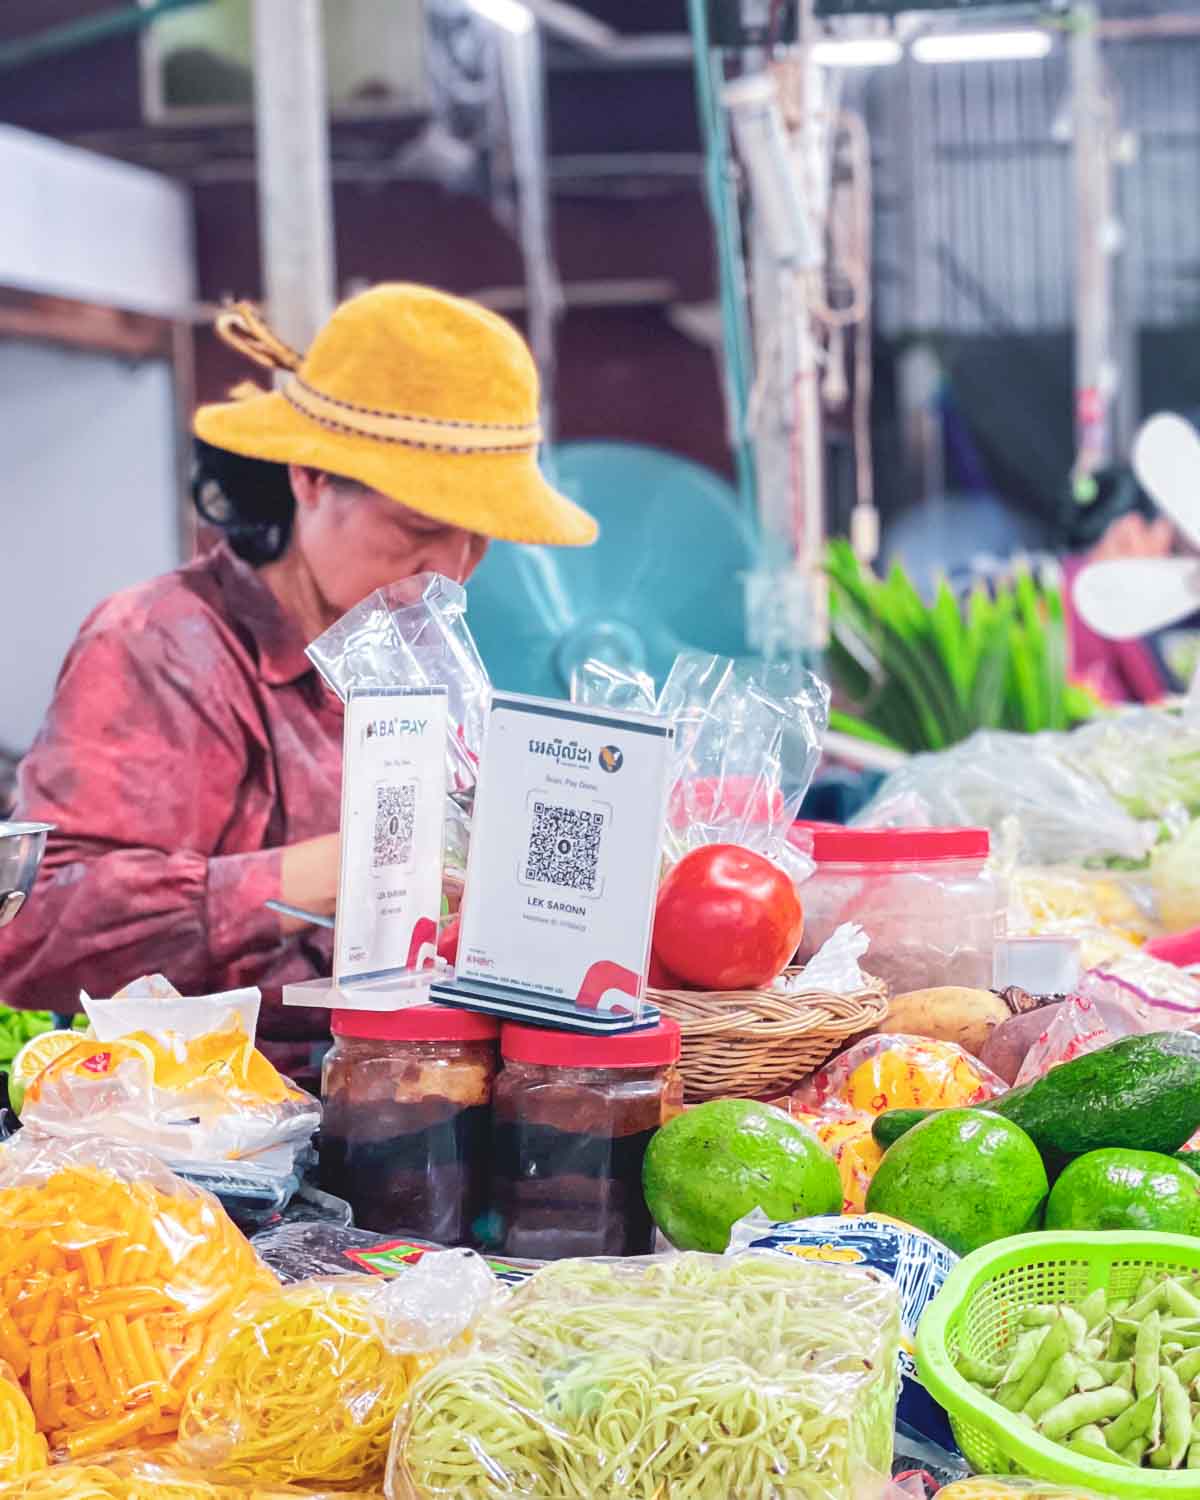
(302,1390)
(22,1447)
(136,1478)
(117,1281)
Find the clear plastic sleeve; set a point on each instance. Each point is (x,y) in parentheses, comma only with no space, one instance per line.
(148,1476)
(211,1098)
(752,1376)
(308,1380)
(118,1278)
(916,1262)
(296,1252)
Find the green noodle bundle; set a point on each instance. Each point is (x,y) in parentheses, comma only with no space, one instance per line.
(691,1378)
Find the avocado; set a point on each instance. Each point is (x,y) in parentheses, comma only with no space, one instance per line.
(1119,1189)
(1142,1093)
(966,1176)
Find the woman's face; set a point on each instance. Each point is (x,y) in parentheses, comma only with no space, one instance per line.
(355,540)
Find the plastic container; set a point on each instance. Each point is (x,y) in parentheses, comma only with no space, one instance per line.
(925,897)
(976,1311)
(408,1098)
(573,1118)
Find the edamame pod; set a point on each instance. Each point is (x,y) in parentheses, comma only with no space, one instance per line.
(1079,1411)
(1176,1422)
(1146,1355)
(1053,1346)
(1134,1422)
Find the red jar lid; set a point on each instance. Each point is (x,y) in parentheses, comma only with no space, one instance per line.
(416,1023)
(828,843)
(655,1047)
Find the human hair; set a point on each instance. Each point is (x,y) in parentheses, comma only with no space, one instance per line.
(249,499)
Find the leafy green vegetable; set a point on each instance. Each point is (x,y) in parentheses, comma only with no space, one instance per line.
(922,677)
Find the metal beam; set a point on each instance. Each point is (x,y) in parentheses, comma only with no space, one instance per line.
(55,40)
(294,193)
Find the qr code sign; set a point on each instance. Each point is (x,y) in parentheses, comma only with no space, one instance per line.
(394,810)
(564,847)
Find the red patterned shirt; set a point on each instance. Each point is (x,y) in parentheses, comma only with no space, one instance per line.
(188,741)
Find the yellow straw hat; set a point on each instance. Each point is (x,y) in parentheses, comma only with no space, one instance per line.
(427,398)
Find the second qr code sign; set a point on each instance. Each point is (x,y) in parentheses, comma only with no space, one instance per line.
(565,848)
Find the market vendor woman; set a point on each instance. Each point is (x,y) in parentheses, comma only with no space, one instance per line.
(191,759)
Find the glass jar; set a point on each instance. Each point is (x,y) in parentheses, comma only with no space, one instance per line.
(573,1116)
(925,897)
(407,1122)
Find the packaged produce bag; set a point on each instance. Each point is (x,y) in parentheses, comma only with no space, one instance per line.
(754,1376)
(118,1281)
(205,1094)
(308,1380)
(841,1100)
(148,1476)
(916,1262)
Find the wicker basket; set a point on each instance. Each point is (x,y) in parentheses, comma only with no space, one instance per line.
(760,1043)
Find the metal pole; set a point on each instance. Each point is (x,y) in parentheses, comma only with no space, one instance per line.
(295,198)
(1094,373)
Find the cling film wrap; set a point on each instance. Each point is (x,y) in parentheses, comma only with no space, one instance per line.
(118,1279)
(149,1476)
(694,1377)
(307,1383)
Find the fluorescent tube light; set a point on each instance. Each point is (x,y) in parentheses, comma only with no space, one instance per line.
(509,14)
(857,52)
(982,46)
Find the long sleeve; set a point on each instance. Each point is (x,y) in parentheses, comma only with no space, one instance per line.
(139,766)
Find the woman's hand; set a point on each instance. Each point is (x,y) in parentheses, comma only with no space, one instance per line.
(1133,535)
(309,878)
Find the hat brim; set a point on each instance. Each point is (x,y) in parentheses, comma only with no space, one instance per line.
(500,495)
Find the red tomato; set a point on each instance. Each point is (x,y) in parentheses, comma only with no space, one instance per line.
(727,919)
(448,942)
(661,977)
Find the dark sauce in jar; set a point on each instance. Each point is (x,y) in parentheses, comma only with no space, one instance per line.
(570,1136)
(405,1136)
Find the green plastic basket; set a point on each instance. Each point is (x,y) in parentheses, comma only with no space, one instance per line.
(976,1311)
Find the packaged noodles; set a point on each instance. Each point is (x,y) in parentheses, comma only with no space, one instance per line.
(696,1377)
(307,1383)
(117,1278)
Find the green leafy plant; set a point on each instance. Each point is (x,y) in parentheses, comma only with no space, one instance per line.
(922,676)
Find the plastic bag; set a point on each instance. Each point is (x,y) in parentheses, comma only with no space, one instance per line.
(209,1098)
(414,633)
(296,1252)
(144,1476)
(1062,814)
(117,1277)
(916,1262)
(596,684)
(1108,911)
(307,1383)
(755,1375)
(23,1449)
(839,1102)
(747,742)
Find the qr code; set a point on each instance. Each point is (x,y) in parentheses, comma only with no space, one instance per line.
(564,847)
(394,810)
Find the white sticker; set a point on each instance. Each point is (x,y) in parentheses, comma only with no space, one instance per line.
(393,812)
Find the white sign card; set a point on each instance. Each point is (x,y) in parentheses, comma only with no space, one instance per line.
(566,845)
(393,816)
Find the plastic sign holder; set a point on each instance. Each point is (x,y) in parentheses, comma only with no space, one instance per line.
(566,847)
(390,883)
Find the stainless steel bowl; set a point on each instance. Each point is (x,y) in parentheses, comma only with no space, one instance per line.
(21,848)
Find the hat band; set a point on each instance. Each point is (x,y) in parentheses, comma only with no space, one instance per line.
(414,432)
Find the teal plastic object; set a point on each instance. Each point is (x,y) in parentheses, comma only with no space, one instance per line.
(665,575)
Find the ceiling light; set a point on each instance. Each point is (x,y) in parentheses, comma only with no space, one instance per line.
(857,52)
(509,14)
(982,46)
